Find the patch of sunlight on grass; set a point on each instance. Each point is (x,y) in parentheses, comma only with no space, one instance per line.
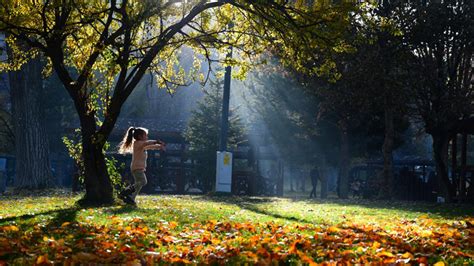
(290,230)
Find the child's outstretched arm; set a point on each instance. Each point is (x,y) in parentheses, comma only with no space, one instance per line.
(154,145)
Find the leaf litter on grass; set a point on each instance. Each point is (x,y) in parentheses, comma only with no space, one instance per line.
(115,235)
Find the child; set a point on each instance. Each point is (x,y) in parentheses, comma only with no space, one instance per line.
(136,142)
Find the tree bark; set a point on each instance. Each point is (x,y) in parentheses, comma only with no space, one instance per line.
(343,178)
(33,167)
(99,190)
(454,154)
(386,189)
(440,149)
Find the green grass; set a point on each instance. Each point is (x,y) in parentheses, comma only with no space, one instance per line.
(204,229)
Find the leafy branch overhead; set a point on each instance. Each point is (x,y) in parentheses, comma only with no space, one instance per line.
(107,41)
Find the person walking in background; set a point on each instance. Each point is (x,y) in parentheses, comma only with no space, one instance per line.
(136,142)
(314,173)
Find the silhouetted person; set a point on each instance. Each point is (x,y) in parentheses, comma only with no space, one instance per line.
(356,188)
(314,180)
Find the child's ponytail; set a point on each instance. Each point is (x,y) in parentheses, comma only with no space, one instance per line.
(124,146)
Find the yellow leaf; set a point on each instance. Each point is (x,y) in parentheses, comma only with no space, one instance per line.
(65,224)
(385,254)
(376,245)
(13,228)
(407,255)
(180,260)
(333,229)
(42,259)
(426,233)
(439,263)
(173,225)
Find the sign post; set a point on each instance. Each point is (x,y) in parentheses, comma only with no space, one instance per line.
(224,172)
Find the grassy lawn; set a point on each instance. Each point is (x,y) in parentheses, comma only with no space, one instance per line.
(167,229)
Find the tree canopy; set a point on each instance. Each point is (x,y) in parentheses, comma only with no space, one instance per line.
(100,50)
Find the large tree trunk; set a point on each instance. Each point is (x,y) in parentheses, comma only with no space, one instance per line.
(440,149)
(99,190)
(387,187)
(343,178)
(33,168)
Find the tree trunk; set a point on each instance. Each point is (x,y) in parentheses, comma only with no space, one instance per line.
(33,167)
(280,180)
(440,149)
(387,187)
(323,176)
(455,173)
(343,178)
(99,190)
(462,175)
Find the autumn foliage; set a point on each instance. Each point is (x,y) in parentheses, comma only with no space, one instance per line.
(135,240)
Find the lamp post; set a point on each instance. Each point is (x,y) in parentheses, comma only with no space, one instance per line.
(224,158)
(225,106)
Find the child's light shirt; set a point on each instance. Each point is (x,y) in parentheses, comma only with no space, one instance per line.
(139,155)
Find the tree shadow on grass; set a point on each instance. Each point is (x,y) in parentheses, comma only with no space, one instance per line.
(231,199)
(251,204)
(65,215)
(15,194)
(62,215)
(124,209)
(255,209)
(445,210)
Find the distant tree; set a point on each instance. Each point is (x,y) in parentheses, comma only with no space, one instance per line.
(370,86)
(204,129)
(312,121)
(110,45)
(7,137)
(440,36)
(286,111)
(378,78)
(32,160)
(281,110)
